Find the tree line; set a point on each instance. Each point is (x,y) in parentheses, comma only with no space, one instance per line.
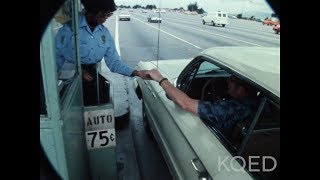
(139,7)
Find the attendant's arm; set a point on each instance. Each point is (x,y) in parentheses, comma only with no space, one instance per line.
(115,64)
(113,60)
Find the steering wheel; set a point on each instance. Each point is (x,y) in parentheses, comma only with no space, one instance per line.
(209,90)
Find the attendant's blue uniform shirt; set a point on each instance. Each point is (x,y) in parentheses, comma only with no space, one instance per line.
(93,47)
(225,114)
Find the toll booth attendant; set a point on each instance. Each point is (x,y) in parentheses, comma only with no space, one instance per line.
(96,42)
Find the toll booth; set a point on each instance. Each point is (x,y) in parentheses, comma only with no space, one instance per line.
(78,141)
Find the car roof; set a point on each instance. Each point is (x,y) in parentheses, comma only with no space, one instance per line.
(259,64)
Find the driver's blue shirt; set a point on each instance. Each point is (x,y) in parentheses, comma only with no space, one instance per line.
(224,114)
(93,47)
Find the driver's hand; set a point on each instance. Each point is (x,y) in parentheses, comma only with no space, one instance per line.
(86,76)
(155,75)
(144,74)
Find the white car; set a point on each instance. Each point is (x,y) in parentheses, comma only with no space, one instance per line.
(216,18)
(195,148)
(124,16)
(154,18)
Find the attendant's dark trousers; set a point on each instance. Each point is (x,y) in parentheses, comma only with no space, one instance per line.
(90,92)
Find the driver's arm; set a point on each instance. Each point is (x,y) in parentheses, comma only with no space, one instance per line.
(179,97)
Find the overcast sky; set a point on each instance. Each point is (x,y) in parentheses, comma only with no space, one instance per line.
(231,6)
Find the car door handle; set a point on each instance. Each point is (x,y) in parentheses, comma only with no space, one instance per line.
(148,86)
(197,165)
(202,172)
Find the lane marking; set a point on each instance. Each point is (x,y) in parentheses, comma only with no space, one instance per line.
(169,34)
(219,35)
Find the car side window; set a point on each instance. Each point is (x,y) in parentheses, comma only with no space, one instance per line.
(187,78)
(206,68)
(195,79)
(263,143)
(270,117)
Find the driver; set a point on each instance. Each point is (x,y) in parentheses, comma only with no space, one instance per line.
(222,114)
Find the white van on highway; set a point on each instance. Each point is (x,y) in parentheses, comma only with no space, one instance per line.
(216,18)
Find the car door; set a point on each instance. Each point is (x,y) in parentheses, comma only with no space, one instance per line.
(174,147)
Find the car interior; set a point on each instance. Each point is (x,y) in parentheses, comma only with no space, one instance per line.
(200,83)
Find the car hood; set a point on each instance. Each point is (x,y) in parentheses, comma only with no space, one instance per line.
(168,68)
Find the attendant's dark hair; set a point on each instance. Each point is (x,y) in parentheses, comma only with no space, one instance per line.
(94,6)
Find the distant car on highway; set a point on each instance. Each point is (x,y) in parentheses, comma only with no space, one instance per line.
(144,11)
(156,10)
(124,16)
(154,18)
(270,22)
(216,18)
(276,28)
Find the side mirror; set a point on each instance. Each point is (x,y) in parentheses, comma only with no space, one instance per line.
(175,82)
